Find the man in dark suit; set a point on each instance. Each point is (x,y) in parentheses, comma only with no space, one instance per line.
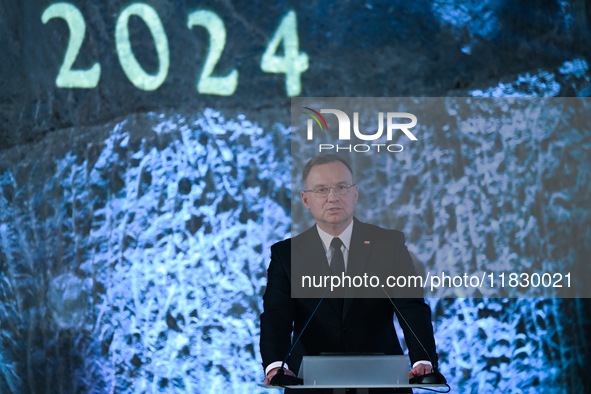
(338,244)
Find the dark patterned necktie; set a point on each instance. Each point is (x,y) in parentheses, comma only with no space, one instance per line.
(337,265)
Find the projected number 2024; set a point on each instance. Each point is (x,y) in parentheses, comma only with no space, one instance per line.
(292,62)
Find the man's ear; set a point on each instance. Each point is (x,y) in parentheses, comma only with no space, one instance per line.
(305,200)
(356,194)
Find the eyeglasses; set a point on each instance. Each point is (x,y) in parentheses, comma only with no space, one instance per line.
(341,190)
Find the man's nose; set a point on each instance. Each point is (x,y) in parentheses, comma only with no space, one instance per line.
(332,195)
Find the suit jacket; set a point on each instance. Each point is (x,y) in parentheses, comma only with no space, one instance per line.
(362,325)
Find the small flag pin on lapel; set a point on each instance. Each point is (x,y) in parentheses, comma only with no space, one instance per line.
(366,242)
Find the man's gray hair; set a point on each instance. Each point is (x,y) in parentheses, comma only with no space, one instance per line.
(323,159)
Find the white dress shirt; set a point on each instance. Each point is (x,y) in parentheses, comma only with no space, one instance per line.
(345,237)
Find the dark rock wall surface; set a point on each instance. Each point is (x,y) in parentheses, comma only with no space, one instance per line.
(375,48)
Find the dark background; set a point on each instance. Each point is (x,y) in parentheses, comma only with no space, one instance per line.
(378,48)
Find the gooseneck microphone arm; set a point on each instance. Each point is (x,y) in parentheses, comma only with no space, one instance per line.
(434,377)
(410,328)
(280,378)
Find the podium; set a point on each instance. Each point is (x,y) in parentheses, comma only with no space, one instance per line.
(360,372)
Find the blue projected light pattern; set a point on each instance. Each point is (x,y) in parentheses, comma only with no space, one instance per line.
(134,261)
(492,187)
(147,273)
(193,259)
(152,259)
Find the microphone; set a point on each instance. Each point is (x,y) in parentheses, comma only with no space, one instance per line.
(434,377)
(280,378)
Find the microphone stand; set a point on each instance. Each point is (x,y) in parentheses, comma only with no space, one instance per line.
(280,378)
(434,377)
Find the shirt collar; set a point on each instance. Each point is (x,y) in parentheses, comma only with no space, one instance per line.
(345,236)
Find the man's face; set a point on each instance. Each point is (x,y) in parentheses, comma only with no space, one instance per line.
(334,212)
